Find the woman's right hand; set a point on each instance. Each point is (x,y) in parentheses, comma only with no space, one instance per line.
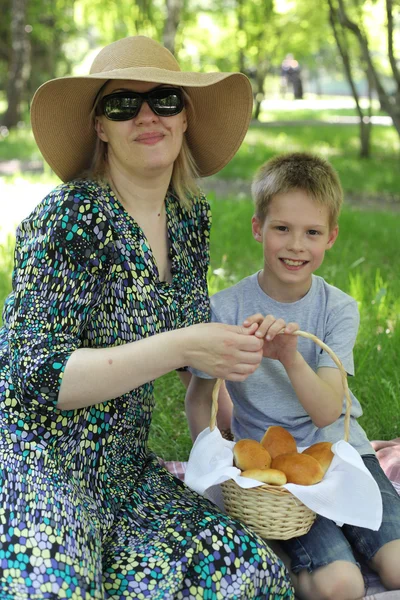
(224,351)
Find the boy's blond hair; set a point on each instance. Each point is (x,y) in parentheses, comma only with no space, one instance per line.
(298,171)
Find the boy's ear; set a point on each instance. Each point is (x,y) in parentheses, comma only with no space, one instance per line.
(332,237)
(256,229)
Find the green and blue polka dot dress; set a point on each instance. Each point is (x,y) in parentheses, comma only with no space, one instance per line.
(86,510)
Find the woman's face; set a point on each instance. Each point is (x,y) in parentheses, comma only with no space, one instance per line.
(146,144)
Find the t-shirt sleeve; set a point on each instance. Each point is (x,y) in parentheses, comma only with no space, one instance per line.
(63,256)
(340,335)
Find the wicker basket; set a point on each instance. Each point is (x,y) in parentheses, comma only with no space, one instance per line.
(272,511)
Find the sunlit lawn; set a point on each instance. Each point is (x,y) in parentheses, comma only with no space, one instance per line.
(379,174)
(364,262)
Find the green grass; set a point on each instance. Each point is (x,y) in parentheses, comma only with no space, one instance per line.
(339,144)
(378,175)
(6,265)
(19,143)
(364,262)
(300,113)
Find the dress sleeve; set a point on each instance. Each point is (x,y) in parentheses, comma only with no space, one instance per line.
(341,333)
(194,301)
(63,257)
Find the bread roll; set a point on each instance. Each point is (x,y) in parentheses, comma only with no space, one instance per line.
(271,476)
(299,468)
(322,453)
(278,440)
(249,454)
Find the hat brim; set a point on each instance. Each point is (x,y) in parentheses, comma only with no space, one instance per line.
(64,133)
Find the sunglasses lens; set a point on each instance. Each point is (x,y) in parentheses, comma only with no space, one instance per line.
(166,101)
(120,107)
(123,106)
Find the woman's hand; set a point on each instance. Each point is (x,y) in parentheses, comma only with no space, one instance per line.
(278,344)
(226,351)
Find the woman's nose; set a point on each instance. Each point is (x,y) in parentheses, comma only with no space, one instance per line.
(145,114)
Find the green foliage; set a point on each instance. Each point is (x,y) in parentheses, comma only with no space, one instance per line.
(114,20)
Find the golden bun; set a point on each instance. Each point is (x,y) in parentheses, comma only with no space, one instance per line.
(322,452)
(249,454)
(299,468)
(278,440)
(271,476)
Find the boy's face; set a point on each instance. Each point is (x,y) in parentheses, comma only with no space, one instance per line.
(295,235)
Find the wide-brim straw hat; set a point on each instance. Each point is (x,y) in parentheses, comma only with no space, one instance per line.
(61,108)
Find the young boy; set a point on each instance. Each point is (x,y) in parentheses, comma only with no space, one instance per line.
(297,202)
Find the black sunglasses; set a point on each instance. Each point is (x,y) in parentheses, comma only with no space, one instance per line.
(123,106)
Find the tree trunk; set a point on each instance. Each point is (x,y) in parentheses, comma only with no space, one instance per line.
(365,123)
(391,104)
(241,31)
(19,69)
(174,8)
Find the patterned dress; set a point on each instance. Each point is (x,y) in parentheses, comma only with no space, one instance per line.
(86,510)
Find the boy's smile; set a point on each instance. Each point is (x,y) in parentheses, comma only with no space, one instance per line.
(295,235)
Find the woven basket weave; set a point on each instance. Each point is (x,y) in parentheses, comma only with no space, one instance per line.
(269,510)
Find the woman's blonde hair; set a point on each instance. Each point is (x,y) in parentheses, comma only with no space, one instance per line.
(302,171)
(184,175)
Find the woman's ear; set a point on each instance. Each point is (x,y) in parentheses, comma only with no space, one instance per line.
(184,121)
(256,229)
(98,125)
(332,237)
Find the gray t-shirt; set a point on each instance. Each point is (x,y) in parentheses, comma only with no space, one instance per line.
(267,396)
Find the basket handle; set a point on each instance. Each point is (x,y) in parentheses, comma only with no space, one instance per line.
(336,360)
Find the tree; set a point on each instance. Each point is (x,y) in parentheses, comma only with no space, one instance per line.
(19,64)
(255,21)
(343,46)
(173,10)
(389,100)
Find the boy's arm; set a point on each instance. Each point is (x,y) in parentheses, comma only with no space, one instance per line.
(320,393)
(198,405)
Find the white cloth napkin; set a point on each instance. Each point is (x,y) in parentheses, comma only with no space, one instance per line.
(347,494)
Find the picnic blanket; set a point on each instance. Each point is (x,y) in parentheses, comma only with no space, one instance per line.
(388,454)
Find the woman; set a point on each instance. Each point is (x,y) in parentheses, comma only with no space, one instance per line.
(109,292)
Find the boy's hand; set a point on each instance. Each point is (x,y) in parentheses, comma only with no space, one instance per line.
(278,344)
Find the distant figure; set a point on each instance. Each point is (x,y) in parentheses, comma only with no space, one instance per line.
(290,73)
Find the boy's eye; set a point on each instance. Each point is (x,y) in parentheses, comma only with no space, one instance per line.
(313,232)
(281,228)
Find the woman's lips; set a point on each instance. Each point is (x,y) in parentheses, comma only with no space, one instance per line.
(150,138)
